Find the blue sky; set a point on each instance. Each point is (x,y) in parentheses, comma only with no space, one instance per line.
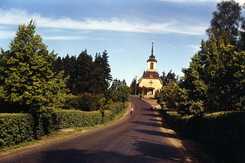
(125,28)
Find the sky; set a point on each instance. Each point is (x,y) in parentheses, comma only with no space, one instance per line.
(125,28)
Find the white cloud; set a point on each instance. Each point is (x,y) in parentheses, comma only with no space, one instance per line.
(64,37)
(199,1)
(16,17)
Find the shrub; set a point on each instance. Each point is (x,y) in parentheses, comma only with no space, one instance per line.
(76,118)
(19,127)
(15,128)
(45,121)
(84,102)
(221,133)
(196,108)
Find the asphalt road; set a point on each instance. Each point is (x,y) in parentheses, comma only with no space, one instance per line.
(137,139)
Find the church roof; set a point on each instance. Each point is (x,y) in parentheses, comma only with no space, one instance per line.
(150,75)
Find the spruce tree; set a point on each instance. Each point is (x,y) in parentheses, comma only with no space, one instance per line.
(98,75)
(84,71)
(106,70)
(27,77)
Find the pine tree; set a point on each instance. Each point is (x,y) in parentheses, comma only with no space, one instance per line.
(98,75)
(84,72)
(58,64)
(106,70)
(27,78)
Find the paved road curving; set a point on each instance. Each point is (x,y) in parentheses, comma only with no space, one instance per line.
(137,139)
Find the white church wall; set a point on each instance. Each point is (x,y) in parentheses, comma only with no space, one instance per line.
(154,83)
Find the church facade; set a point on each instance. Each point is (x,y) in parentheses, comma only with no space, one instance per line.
(150,82)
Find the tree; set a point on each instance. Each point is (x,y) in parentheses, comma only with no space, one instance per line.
(98,76)
(241,41)
(58,64)
(27,77)
(134,87)
(226,19)
(101,73)
(106,70)
(84,71)
(214,81)
(169,77)
(192,80)
(119,91)
(216,76)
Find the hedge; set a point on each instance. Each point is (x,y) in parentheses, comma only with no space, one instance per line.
(222,133)
(76,118)
(15,128)
(19,127)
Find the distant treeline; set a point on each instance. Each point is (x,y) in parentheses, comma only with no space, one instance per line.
(84,73)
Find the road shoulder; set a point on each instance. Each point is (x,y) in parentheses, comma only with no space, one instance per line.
(190,149)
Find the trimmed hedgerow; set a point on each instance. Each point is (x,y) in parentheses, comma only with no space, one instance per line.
(76,118)
(221,133)
(15,128)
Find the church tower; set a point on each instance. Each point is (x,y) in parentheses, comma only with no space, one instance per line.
(150,83)
(151,62)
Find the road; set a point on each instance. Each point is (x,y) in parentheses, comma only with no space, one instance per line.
(138,139)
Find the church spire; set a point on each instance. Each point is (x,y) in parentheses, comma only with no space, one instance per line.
(152,58)
(152,49)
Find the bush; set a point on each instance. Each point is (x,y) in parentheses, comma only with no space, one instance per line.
(45,122)
(196,108)
(15,128)
(19,127)
(76,118)
(85,102)
(221,133)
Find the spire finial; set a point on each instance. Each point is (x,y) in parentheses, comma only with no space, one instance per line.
(152,49)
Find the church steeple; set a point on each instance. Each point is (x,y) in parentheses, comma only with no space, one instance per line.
(152,58)
(152,50)
(151,62)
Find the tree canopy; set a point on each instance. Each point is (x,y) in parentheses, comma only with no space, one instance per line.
(27,78)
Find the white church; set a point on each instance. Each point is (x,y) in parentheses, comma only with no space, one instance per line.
(150,82)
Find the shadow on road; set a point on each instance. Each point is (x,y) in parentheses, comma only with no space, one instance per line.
(156,133)
(151,124)
(151,115)
(82,156)
(148,153)
(158,151)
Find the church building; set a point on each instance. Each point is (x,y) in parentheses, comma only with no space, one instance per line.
(150,82)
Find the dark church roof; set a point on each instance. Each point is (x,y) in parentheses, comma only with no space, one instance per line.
(150,75)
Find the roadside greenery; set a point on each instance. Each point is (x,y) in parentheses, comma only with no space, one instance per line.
(76,118)
(15,128)
(20,127)
(27,80)
(221,133)
(36,86)
(215,78)
(207,104)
